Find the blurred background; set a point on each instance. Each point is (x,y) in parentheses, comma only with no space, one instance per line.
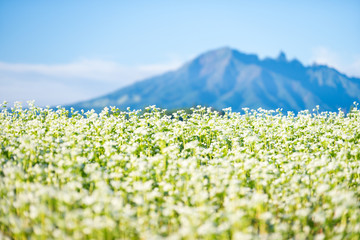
(62,52)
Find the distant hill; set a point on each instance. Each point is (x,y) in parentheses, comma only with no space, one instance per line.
(228,78)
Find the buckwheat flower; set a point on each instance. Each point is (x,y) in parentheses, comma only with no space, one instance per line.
(191,145)
(319,217)
(206,228)
(322,188)
(241,235)
(266,216)
(88,200)
(304,212)
(98,207)
(33,212)
(258,198)
(141,131)
(319,236)
(282,227)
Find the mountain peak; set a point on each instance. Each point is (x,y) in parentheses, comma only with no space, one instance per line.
(225,77)
(223,52)
(227,53)
(282,57)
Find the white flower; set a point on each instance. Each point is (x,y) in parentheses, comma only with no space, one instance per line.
(192,144)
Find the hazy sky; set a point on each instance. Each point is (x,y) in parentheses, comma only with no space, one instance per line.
(50,49)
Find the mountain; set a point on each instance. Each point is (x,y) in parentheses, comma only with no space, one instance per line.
(228,78)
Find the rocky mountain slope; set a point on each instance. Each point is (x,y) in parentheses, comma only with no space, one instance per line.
(228,78)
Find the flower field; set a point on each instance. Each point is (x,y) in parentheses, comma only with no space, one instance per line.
(130,175)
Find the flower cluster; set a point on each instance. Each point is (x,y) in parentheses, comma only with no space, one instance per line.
(148,175)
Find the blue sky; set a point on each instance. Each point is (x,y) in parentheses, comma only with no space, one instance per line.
(50,49)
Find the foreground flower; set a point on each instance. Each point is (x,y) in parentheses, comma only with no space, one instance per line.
(127,175)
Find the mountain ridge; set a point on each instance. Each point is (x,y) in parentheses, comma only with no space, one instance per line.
(226,77)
